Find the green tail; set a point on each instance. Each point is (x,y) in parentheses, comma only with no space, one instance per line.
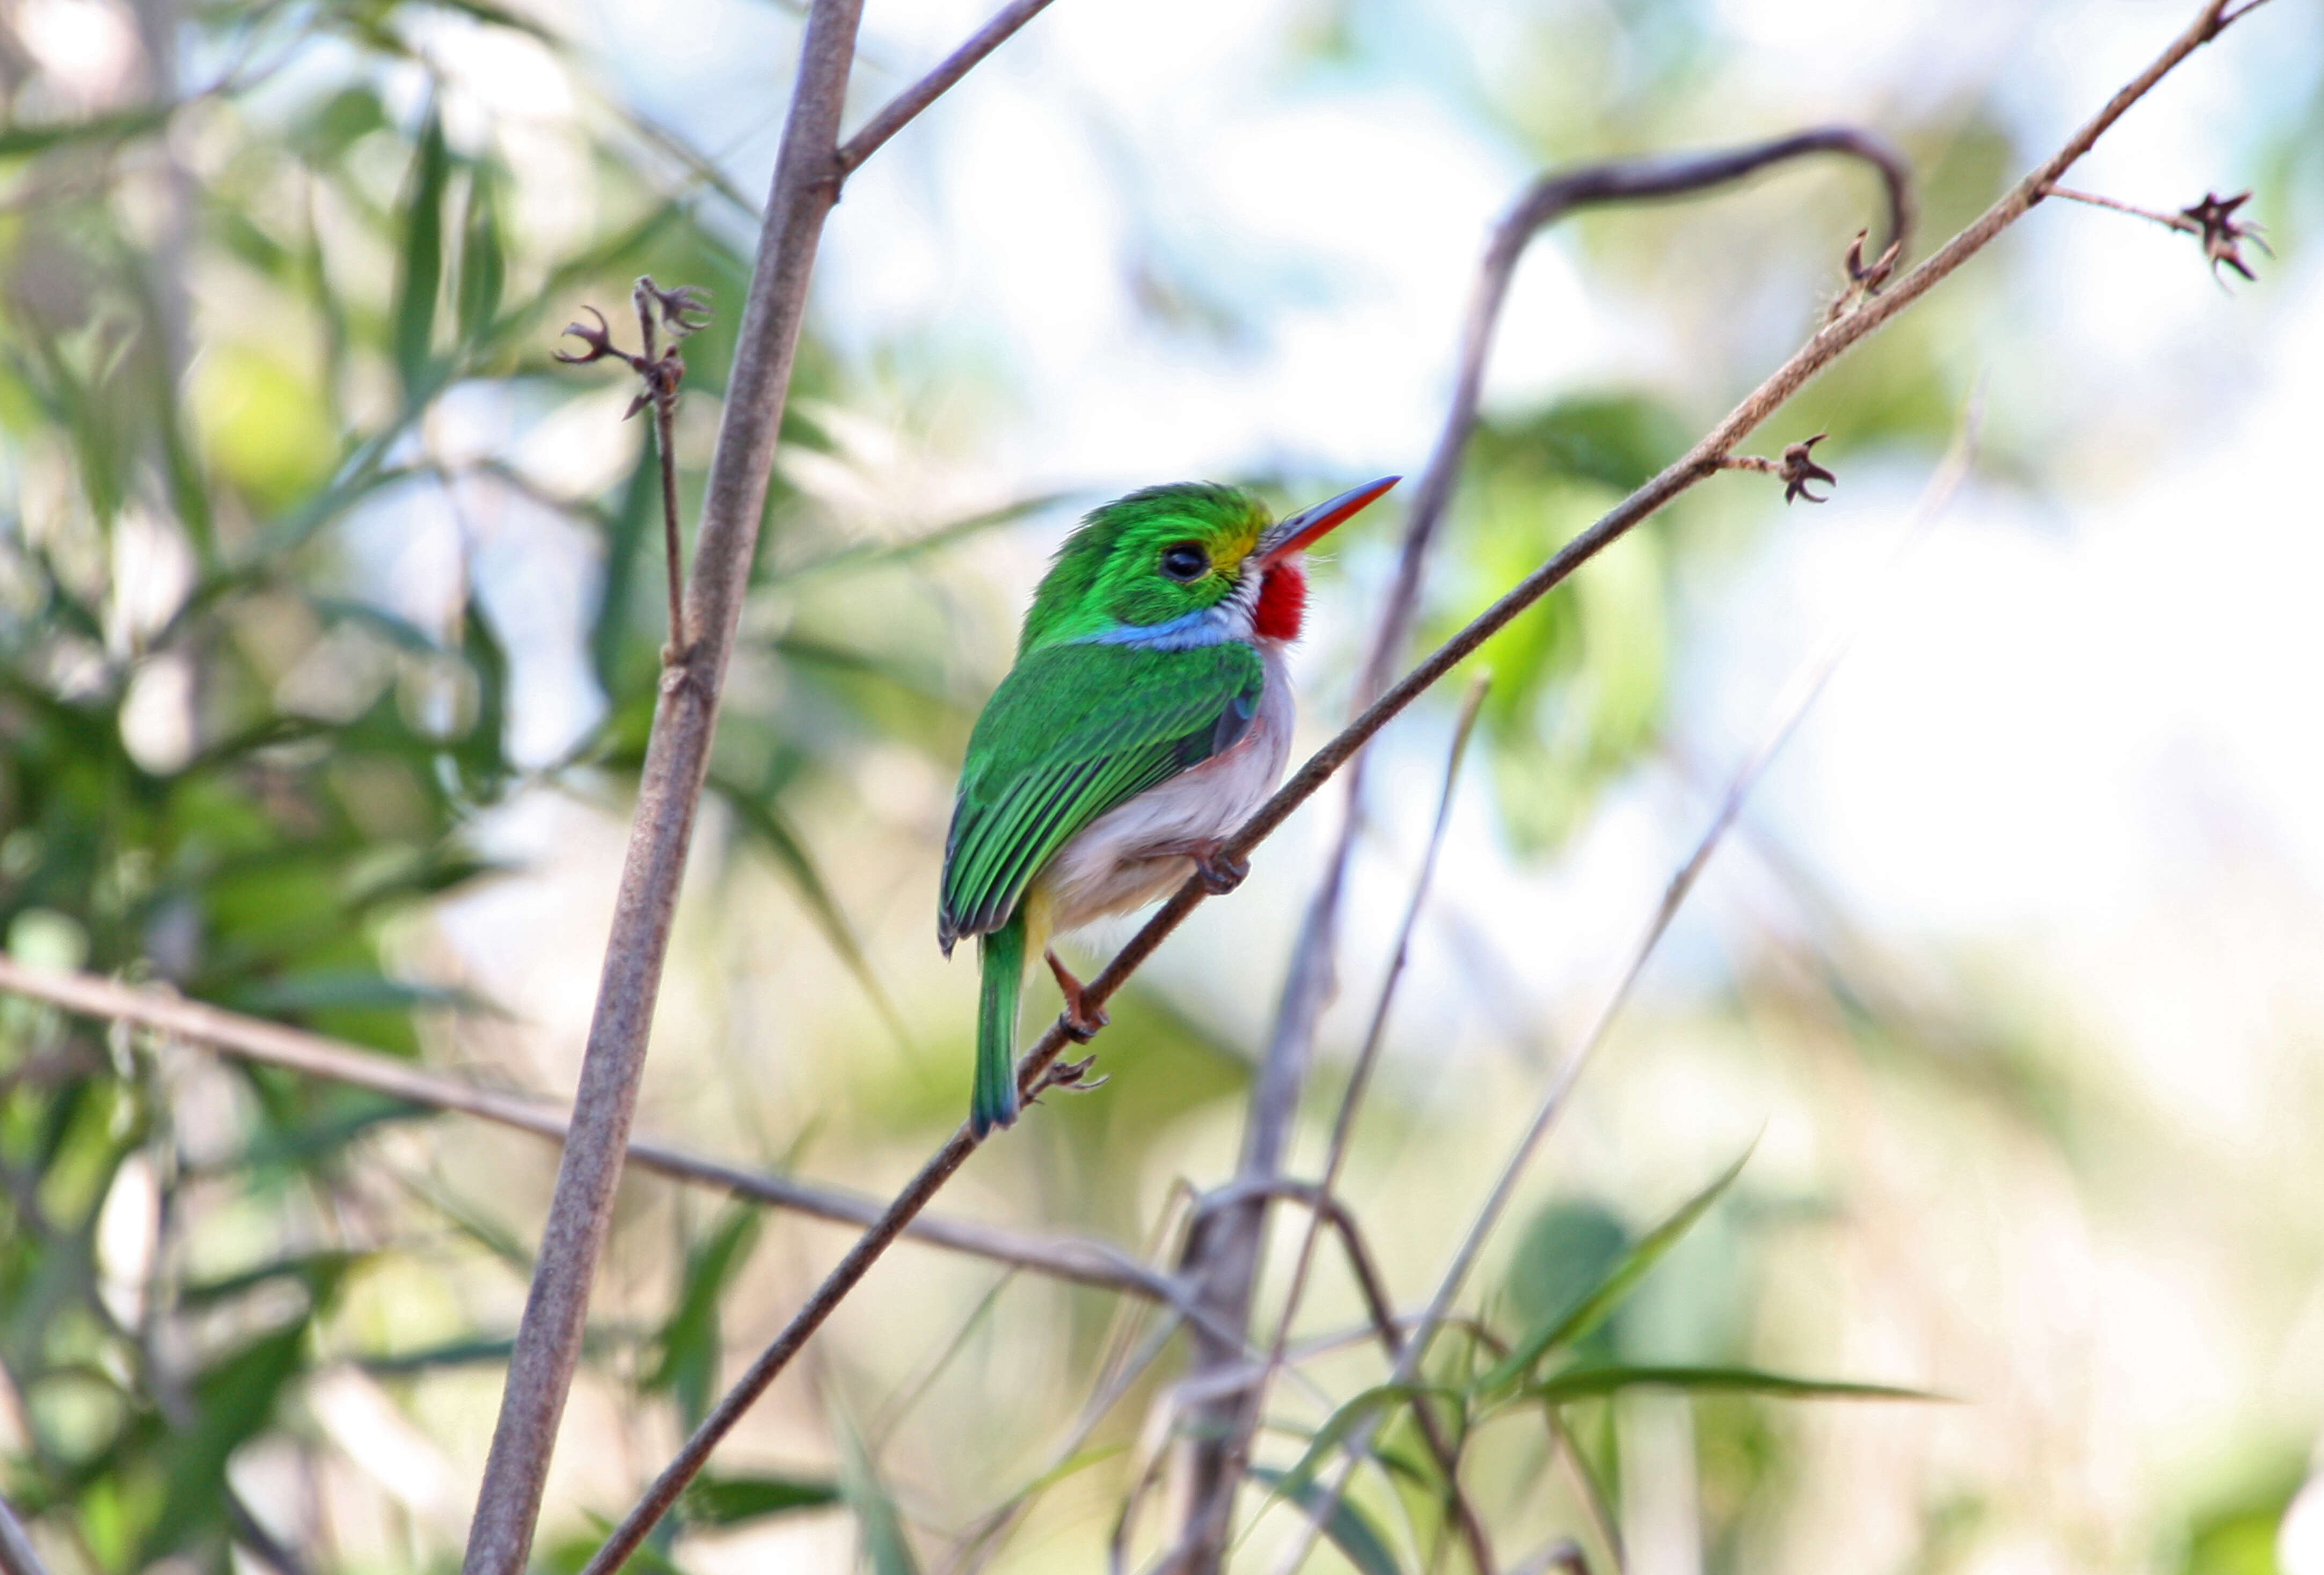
(1001,955)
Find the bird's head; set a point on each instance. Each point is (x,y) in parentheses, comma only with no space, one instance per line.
(1192,562)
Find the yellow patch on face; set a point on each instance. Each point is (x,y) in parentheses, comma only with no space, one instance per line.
(1228,552)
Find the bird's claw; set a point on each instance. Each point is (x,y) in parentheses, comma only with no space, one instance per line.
(1073,1075)
(1220,870)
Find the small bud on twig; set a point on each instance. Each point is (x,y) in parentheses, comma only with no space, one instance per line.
(2211,221)
(1864,278)
(1795,470)
(660,372)
(675,304)
(599,339)
(2214,220)
(1873,277)
(1799,470)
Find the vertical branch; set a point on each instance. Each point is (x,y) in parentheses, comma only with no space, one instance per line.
(1223,1256)
(548,1338)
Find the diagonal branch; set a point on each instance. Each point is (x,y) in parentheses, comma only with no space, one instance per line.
(17,1556)
(1087,1262)
(1832,340)
(1225,1260)
(899,110)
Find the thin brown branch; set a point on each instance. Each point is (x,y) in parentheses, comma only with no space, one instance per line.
(1828,344)
(898,111)
(2212,221)
(17,1556)
(1224,1262)
(1791,707)
(1087,1262)
(2167,220)
(547,1346)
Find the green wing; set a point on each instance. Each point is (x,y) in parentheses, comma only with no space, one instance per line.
(1072,731)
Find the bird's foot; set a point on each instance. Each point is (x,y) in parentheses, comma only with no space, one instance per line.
(1072,1076)
(1082,1021)
(1220,870)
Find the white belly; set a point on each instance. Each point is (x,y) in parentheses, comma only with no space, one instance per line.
(1131,855)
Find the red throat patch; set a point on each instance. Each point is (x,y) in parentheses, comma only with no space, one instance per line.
(1282,603)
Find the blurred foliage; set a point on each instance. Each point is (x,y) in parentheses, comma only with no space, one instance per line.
(236,750)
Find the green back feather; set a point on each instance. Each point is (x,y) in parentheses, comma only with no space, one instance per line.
(1073,731)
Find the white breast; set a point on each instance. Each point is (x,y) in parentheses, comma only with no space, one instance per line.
(1134,854)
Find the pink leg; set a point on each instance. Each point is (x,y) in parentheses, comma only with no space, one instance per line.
(1082,1022)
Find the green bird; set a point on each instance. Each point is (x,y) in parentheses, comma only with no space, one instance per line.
(1147,715)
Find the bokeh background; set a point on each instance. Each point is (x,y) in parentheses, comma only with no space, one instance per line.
(329,608)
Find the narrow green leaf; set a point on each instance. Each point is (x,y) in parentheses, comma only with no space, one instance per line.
(732,1500)
(321,1271)
(611,637)
(484,258)
(17,142)
(232,1403)
(455,1353)
(689,1345)
(873,554)
(1585,1383)
(1374,1402)
(1594,1308)
(885,1547)
(420,271)
(1348,1527)
(480,752)
(759,817)
(358,990)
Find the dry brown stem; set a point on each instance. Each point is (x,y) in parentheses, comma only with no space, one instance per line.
(1086,1261)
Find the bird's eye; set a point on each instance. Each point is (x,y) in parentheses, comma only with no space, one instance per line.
(1185,562)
